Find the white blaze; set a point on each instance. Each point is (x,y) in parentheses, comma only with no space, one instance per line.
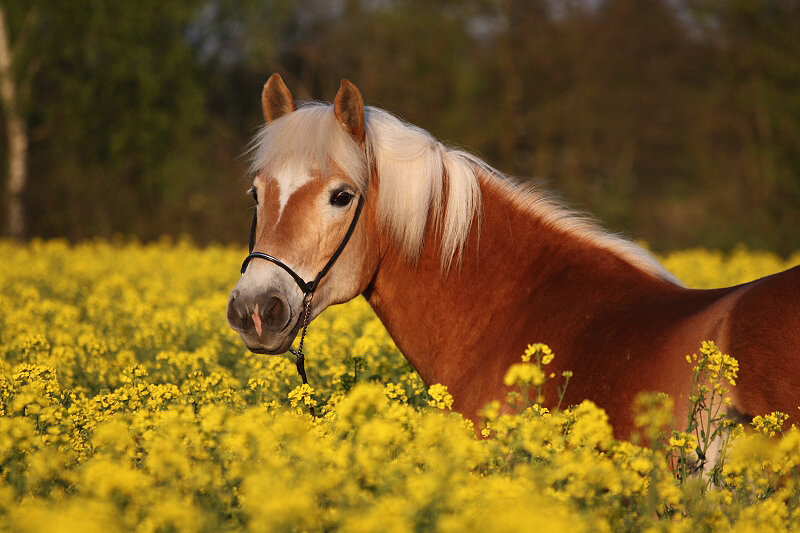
(289,179)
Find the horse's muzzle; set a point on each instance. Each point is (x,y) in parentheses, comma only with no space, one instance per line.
(263,320)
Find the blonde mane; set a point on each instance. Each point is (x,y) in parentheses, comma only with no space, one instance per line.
(413,168)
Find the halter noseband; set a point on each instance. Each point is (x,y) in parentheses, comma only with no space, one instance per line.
(308,287)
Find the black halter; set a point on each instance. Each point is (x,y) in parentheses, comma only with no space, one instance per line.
(308,287)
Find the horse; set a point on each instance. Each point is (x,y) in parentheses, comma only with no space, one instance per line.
(464,266)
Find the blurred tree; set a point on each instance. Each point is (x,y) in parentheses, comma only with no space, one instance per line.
(113,113)
(677,118)
(414,56)
(15,80)
(747,150)
(603,88)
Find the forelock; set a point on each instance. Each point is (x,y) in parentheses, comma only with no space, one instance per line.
(306,140)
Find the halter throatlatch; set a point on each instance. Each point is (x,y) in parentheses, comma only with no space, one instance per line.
(308,287)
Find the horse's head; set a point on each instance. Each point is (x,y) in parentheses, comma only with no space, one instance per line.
(310,171)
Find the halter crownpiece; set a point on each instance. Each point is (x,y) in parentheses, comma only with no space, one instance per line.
(308,287)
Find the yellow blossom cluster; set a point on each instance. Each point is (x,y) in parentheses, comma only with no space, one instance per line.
(770,424)
(127,404)
(524,374)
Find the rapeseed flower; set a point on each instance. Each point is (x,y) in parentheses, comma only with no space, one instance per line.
(126,403)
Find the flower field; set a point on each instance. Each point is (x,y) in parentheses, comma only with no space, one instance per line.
(128,404)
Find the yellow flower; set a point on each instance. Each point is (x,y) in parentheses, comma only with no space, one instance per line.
(543,353)
(302,394)
(440,398)
(125,410)
(395,392)
(770,424)
(524,375)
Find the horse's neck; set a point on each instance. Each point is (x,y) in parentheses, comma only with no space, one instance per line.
(517,283)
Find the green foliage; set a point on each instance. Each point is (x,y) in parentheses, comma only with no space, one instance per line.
(116,109)
(680,120)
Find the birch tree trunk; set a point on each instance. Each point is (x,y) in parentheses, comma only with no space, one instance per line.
(17,136)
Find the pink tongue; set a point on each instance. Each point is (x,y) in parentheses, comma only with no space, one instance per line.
(257,321)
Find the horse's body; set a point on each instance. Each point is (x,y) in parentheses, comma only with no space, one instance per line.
(488,269)
(620,330)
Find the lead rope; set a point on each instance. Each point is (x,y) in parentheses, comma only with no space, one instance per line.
(308,287)
(300,363)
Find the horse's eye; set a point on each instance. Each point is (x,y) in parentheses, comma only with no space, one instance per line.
(254,193)
(341,198)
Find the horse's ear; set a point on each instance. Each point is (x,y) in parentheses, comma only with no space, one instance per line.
(276,100)
(349,110)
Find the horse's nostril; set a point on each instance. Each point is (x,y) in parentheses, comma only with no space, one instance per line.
(274,308)
(276,312)
(237,314)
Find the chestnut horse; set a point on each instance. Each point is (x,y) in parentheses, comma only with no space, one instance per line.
(465,268)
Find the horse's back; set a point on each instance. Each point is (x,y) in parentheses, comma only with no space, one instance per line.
(758,323)
(764,336)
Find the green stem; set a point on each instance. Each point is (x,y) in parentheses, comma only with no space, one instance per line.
(561,392)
